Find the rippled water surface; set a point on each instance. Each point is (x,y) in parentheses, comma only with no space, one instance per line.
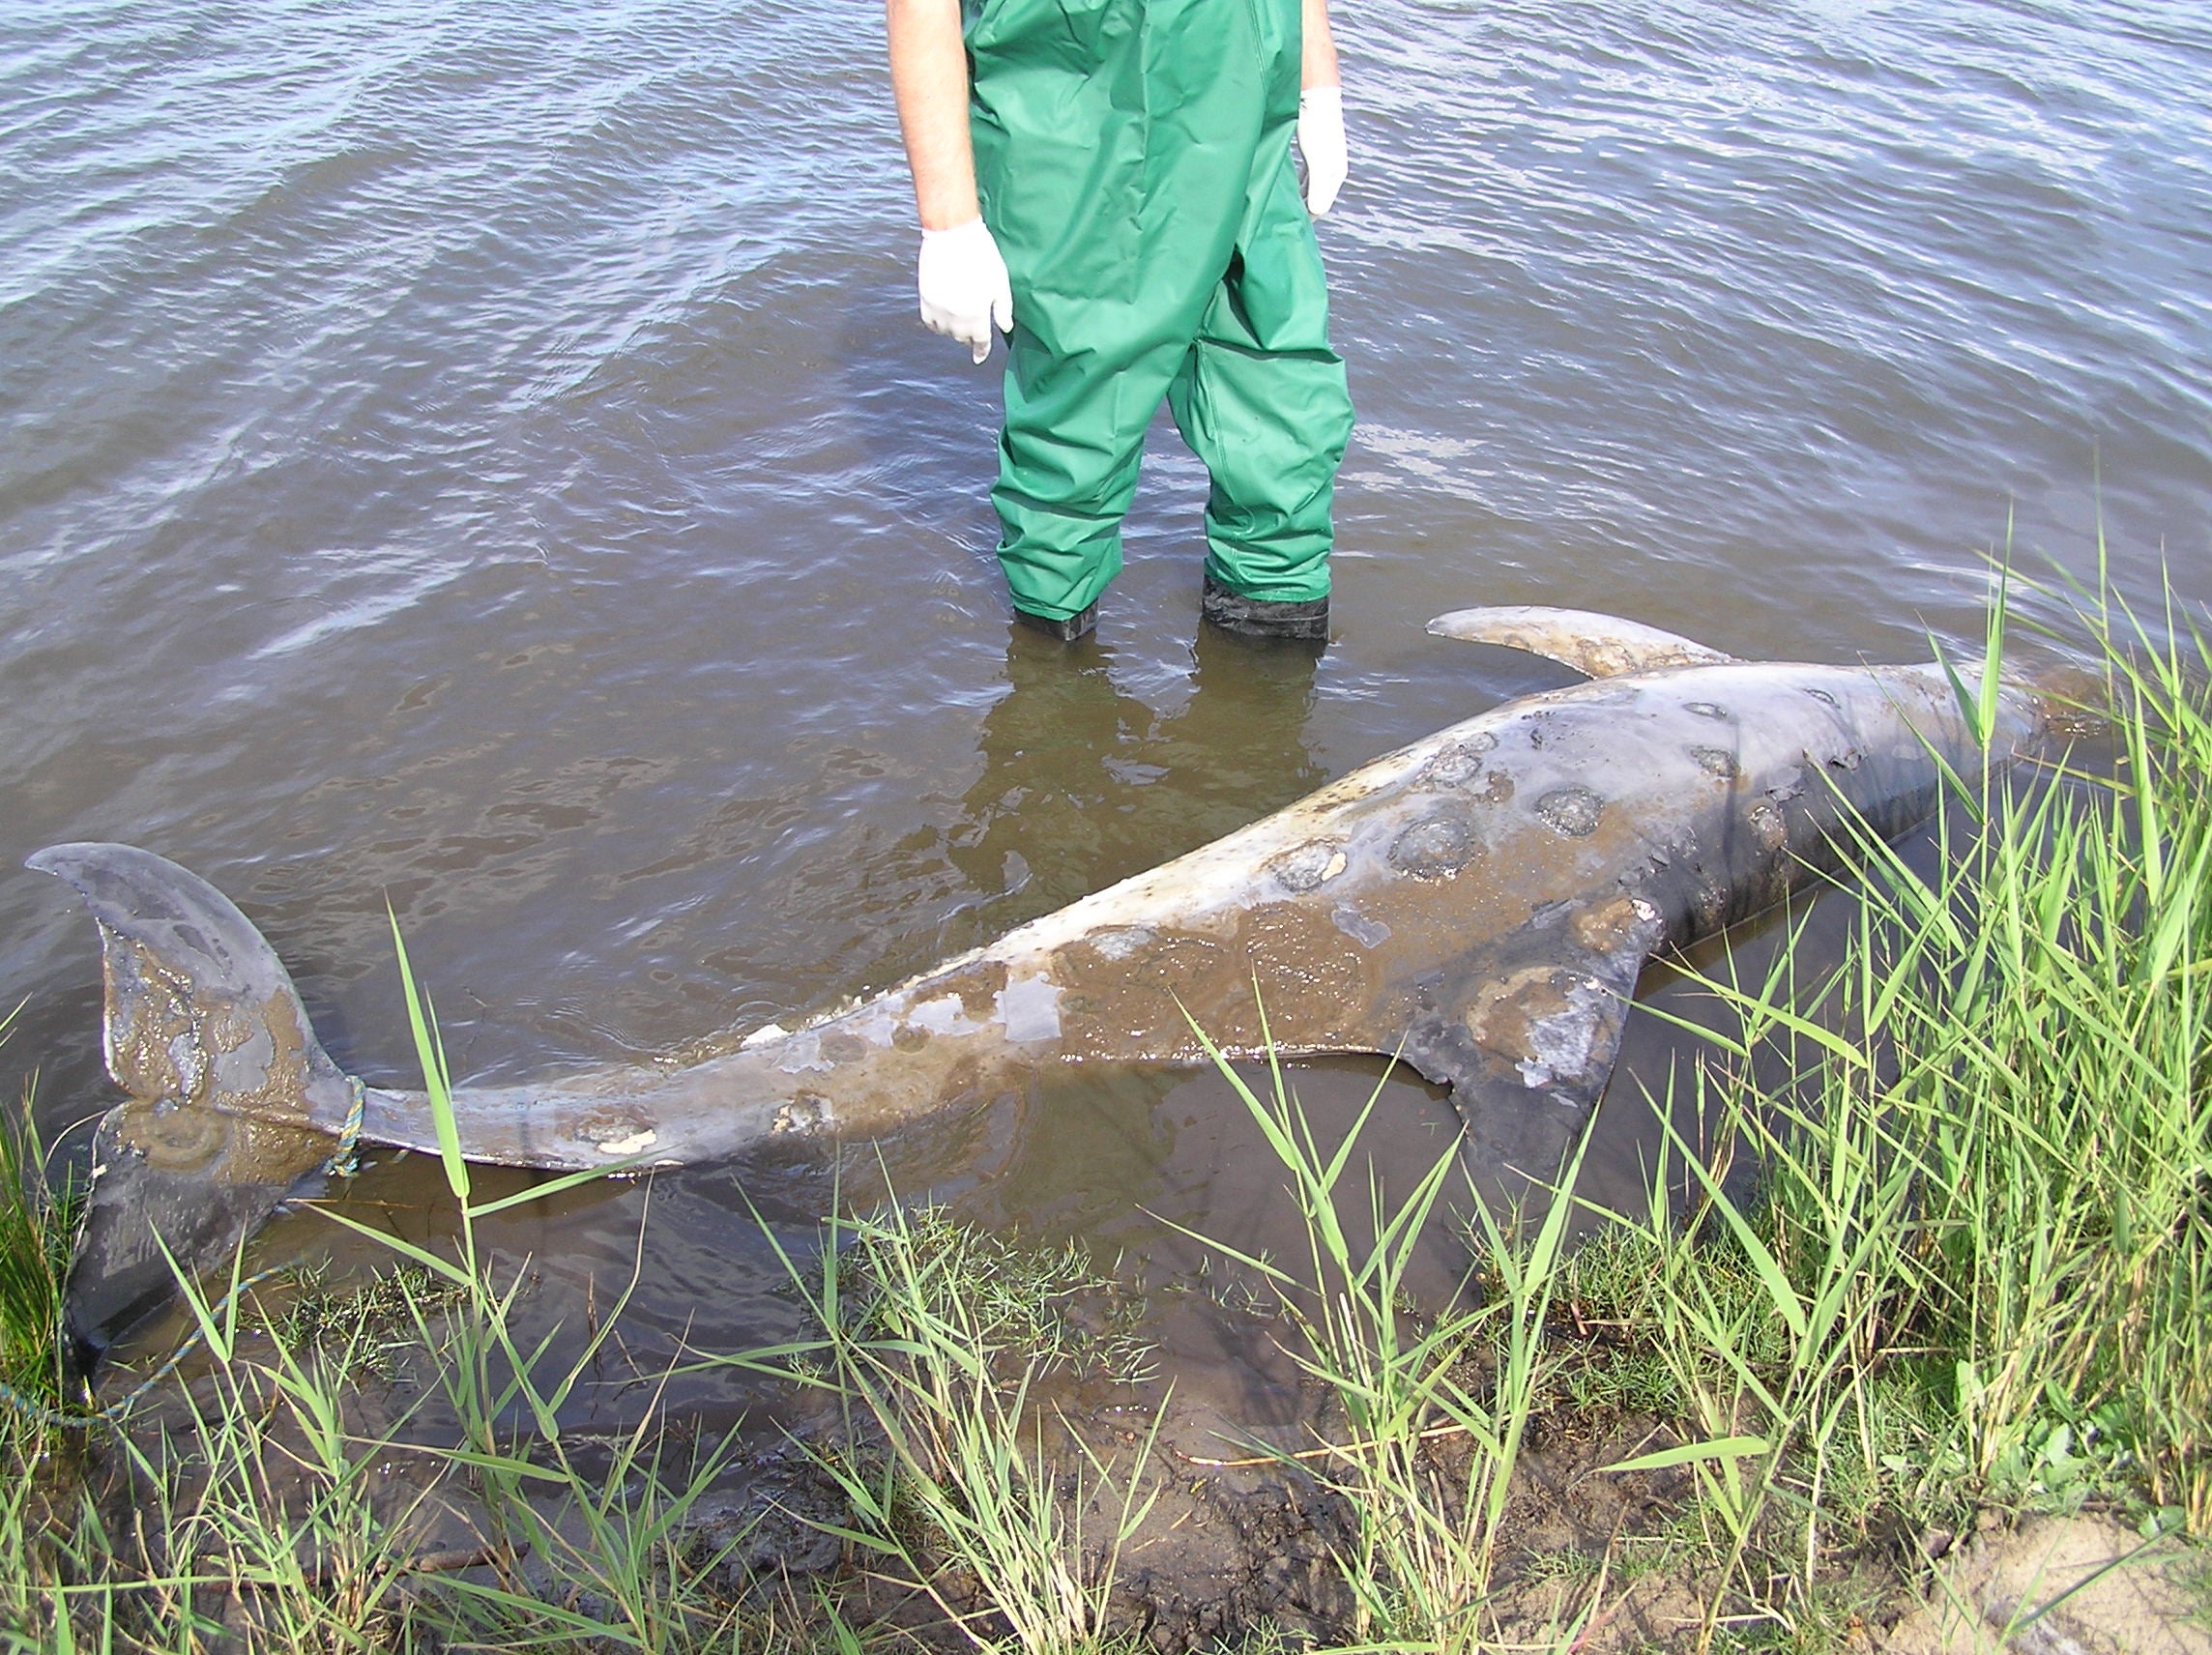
(483,459)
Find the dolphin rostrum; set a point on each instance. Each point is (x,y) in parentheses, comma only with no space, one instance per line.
(1478,903)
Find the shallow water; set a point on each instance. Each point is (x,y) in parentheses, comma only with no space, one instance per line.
(483,459)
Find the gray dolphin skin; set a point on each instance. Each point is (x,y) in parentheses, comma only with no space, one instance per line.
(1478,903)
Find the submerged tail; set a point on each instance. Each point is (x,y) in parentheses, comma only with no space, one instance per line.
(233,1100)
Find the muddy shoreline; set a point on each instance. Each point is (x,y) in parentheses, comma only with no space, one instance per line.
(1245,1547)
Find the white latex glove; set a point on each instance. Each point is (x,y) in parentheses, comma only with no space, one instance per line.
(1320,141)
(964,286)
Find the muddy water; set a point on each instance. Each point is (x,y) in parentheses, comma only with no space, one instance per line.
(484,460)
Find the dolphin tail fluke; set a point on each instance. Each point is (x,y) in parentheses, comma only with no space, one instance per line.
(1597,646)
(233,1100)
(1526,1031)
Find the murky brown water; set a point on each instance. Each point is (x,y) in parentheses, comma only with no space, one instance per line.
(483,459)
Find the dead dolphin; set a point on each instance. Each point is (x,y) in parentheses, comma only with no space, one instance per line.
(1479,903)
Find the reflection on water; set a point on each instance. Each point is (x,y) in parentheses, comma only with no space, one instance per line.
(1085,783)
(486,461)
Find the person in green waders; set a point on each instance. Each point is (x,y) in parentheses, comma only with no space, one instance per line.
(1110,183)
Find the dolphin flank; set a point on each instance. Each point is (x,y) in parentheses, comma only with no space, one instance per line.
(1478,903)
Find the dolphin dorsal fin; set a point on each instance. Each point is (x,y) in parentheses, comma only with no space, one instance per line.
(1598,645)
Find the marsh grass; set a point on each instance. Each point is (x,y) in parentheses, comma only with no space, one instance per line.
(610,1540)
(1051,1303)
(961,1484)
(38,1229)
(1435,1405)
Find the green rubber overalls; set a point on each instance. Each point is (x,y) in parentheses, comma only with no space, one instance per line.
(1134,163)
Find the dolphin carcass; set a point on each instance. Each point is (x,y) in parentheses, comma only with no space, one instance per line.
(1478,904)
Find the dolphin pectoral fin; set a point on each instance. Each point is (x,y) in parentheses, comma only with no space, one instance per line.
(233,1100)
(1600,646)
(1526,1032)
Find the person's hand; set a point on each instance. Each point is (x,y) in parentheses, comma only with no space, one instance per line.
(1320,141)
(964,286)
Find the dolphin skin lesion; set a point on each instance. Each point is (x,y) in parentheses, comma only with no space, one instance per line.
(1478,903)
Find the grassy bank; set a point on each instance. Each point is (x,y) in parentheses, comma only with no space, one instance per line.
(1936,1257)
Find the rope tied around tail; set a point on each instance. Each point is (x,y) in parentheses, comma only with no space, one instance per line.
(345,1160)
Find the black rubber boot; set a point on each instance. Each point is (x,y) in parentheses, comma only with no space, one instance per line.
(1082,624)
(1262,617)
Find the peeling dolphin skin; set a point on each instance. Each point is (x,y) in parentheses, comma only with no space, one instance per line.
(1479,902)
